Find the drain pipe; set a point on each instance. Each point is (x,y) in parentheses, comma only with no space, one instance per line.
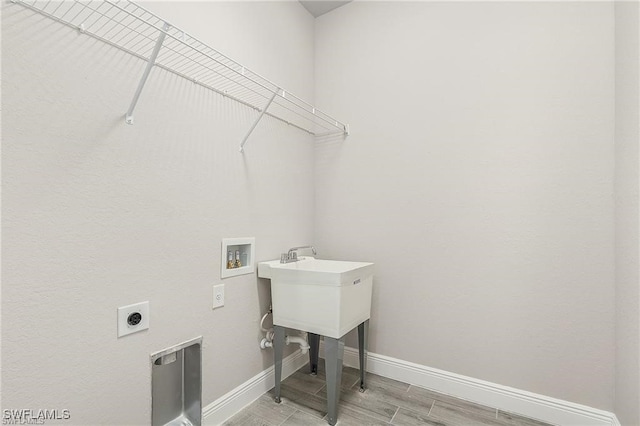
(267,341)
(302,341)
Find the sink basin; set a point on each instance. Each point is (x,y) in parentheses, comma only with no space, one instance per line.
(325,297)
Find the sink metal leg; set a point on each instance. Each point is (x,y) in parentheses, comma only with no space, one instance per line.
(363,337)
(278,347)
(314,348)
(333,355)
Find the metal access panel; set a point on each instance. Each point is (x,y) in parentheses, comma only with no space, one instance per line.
(176,385)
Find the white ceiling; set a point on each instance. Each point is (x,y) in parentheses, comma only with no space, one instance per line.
(320,7)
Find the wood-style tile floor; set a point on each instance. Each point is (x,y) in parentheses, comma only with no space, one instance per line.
(385,402)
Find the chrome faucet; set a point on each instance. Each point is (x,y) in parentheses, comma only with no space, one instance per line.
(292,254)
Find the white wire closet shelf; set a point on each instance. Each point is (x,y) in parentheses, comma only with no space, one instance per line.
(137,31)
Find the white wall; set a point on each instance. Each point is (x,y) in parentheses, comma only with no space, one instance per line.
(98,214)
(627,132)
(479,179)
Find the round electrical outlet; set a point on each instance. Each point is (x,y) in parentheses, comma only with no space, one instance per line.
(134,318)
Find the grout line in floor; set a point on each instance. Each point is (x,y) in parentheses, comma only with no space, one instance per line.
(354,383)
(285,420)
(432,404)
(394,415)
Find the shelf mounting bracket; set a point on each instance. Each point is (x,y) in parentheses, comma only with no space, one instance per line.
(255,123)
(147,71)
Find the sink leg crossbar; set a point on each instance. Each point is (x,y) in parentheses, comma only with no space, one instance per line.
(333,355)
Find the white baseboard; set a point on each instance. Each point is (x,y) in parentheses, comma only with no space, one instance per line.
(231,403)
(528,404)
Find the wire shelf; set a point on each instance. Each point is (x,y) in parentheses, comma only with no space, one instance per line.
(137,31)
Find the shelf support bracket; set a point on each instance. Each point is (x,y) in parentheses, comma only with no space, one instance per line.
(255,123)
(147,71)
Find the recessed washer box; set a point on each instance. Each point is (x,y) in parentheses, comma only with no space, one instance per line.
(237,256)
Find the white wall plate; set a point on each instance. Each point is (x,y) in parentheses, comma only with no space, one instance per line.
(133,318)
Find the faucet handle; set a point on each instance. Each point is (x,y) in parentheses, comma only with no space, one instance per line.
(291,256)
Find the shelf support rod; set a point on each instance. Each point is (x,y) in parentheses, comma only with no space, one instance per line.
(150,63)
(255,123)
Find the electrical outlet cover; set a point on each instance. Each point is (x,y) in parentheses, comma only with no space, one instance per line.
(218,296)
(133,318)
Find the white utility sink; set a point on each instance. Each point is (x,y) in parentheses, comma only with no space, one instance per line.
(325,297)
